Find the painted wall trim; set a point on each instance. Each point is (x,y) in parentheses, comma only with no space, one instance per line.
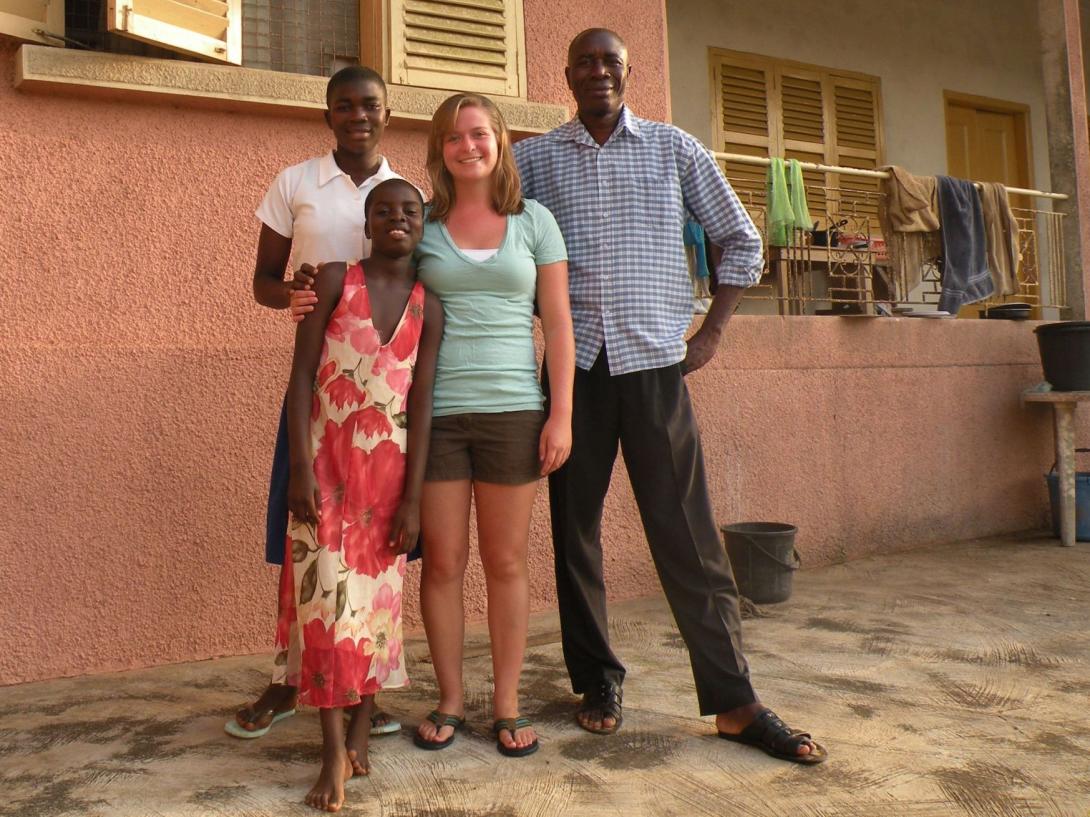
(40,68)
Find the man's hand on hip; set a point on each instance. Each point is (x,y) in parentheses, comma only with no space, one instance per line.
(705,341)
(701,348)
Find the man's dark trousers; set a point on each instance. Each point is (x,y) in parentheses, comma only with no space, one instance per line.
(649,413)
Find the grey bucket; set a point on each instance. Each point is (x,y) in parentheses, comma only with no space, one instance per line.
(764,559)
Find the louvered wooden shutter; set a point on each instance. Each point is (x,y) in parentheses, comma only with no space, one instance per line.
(20,18)
(804,129)
(856,142)
(209,29)
(744,124)
(767,107)
(458,45)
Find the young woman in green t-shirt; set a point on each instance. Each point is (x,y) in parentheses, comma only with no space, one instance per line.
(489,255)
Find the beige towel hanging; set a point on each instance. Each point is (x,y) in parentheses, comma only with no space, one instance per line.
(909,215)
(1001,233)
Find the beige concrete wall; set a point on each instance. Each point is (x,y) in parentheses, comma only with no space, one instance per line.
(918,49)
(141,385)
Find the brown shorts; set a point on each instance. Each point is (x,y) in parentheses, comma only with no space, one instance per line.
(500,448)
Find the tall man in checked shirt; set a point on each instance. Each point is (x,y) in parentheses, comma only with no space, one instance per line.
(619,186)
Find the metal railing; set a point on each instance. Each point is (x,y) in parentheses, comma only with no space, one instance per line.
(849,271)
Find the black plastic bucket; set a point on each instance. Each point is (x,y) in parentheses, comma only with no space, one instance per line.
(764,559)
(1065,354)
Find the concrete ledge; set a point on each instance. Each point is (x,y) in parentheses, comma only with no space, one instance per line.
(40,68)
(804,342)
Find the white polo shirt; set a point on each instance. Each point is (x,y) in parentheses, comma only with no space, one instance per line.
(317,206)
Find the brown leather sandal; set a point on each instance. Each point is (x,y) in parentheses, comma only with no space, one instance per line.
(774,737)
(606,699)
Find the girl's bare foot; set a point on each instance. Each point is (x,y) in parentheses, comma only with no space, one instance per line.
(357,736)
(328,793)
(358,759)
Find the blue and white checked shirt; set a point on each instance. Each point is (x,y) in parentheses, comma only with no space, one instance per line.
(621,207)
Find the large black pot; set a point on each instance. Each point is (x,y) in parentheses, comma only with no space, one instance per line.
(1065,354)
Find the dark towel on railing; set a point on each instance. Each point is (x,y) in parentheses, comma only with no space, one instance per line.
(965,274)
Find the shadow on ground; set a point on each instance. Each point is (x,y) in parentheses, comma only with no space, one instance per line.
(946,681)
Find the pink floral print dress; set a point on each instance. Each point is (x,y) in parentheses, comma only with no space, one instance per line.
(340,590)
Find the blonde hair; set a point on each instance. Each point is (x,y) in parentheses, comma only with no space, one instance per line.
(506,185)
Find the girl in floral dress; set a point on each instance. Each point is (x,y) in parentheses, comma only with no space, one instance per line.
(359,418)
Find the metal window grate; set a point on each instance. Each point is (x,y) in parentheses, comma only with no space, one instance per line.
(300,36)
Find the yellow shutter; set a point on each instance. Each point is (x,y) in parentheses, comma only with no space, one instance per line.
(744,123)
(458,45)
(803,113)
(804,130)
(22,18)
(856,142)
(209,29)
(769,107)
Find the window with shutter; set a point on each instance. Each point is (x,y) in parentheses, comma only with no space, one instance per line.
(25,18)
(744,91)
(770,107)
(856,144)
(457,45)
(315,37)
(208,29)
(448,45)
(803,137)
(803,116)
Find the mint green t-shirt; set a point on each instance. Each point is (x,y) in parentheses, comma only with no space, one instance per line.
(486,360)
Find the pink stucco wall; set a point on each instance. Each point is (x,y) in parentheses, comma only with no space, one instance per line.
(141,386)
(550,27)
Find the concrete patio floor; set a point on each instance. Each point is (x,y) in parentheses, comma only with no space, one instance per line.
(947,681)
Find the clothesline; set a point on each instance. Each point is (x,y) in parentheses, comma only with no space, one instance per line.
(873,174)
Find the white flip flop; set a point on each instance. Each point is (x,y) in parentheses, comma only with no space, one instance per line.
(234,730)
(391,726)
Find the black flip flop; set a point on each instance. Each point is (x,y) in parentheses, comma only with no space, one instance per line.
(511,724)
(774,737)
(440,719)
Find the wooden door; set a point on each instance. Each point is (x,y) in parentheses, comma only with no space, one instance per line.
(987,144)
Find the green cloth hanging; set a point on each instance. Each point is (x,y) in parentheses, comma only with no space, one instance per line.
(780,215)
(786,192)
(797,192)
